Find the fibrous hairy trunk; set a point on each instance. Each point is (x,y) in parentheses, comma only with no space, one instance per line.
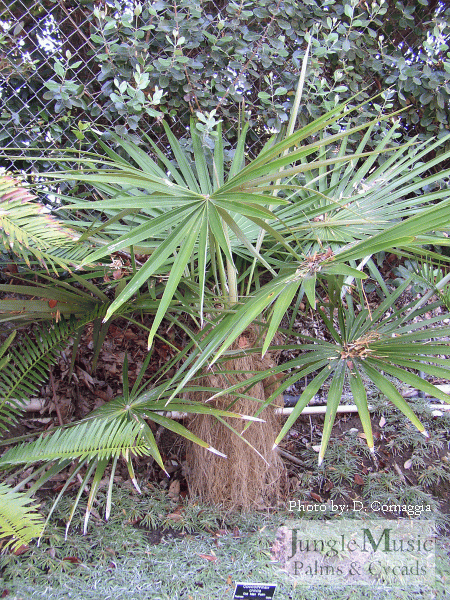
(245,478)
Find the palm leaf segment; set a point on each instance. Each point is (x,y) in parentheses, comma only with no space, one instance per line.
(28,230)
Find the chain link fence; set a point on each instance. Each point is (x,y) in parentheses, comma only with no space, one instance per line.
(67,66)
(50,77)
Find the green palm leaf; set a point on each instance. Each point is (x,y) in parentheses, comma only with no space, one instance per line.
(368,346)
(117,429)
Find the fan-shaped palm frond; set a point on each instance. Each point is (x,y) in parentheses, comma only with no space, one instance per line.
(19,522)
(27,228)
(194,216)
(343,203)
(366,346)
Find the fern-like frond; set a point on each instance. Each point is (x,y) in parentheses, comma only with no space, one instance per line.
(19,522)
(28,230)
(28,363)
(94,444)
(91,439)
(4,358)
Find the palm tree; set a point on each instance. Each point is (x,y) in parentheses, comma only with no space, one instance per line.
(235,246)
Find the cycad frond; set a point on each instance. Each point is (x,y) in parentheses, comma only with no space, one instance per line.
(100,439)
(28,230)
(18,520)
(28,364)
(4,358)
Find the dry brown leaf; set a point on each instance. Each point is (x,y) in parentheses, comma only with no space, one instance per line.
(72,559)
(316,497)
(174,517)
(174,489)
(209,557)
(358,479)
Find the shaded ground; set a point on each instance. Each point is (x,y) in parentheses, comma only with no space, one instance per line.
(143,552)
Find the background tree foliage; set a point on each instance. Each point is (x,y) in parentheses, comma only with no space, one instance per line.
(127,64)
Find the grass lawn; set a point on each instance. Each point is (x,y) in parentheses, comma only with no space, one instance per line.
(152,548)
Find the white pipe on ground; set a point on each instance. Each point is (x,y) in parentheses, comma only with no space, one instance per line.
(346,408)
(38,404)
(309,410)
